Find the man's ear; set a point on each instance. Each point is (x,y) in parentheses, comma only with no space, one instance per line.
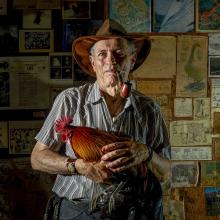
(91,61)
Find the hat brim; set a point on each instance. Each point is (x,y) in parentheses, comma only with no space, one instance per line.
(81,49)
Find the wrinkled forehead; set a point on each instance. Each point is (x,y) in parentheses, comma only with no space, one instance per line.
(112,43)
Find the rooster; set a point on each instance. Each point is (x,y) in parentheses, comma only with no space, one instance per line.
(86,143)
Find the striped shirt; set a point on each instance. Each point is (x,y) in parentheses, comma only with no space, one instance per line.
(140,119)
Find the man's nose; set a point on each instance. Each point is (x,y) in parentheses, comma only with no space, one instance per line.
(111,58)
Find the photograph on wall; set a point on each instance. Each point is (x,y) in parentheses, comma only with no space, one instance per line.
(75,9)
(214,44)
(214,66)
(216,148)
(71,31)
(191,153)
(3,134)
(190,133)
(201,108)
(33,41)
(3,7)
(184,174)
(210,173)
(163,49)
(36,19)
(173,16)
(207,15)
(134,16)
(24,4)
(29,82)
(61,67)
(183,107)
(21,136)
(215,92)
(8,39)
(191,78)
(212,195)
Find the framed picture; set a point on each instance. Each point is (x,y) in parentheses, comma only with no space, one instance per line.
(214,44)
(214,66)
(32,41)
(37,19)
(8,39)
(134,17)
(173,16)
(75,9)
(207,16)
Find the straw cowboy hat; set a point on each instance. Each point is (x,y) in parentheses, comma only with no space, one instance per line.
(109,29)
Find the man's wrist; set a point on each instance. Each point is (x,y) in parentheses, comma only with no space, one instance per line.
(71,167)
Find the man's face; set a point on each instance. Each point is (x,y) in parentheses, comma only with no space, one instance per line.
(109,58)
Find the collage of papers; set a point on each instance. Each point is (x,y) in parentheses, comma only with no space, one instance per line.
(182,73)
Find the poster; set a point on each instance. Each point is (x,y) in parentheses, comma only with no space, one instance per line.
(190,133)
(184,174)
(191,78)
(134,16)
(212,195)
(173,16)
(161,61)
(191,153)
(29,83)
(201,108)
(214,66)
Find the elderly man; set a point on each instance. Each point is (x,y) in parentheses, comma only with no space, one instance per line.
(110,105)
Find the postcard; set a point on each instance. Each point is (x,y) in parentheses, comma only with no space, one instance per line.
(215,92)
(3,134)
(37,19)
(133,17)
(173,16)
(191,153)
(183,107)
(161,61)
(207,14)
(214,66)
(34,41)
(216,122)
(184,174)
(22,136)
(75,9)
(201,108)
(214,44)
(152,87)
(190,133)
(3,7)
(212,195)
(191,78)
(8,40)
(29,82)
(216,146)
(210,173)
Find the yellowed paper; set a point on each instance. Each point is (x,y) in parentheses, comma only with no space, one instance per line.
(49,4)
(215,83)
(190,133)
(216,122)
(201,108)
(161,62)
(216,146)
(191,78)
(152,87)
(183,107)
(24,4)
(191,153)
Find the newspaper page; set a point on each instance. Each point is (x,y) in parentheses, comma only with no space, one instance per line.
(191,153)
(190,133)
(22,136)
(29,83)
(184,174)
(215,94)
(183,107)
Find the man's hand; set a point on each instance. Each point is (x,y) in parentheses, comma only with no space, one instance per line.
(96,171)
(120,156)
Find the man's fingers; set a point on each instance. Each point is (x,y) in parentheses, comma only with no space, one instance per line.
(114,146)
(116,154)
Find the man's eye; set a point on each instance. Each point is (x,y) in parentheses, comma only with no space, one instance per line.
(102,54)
(119,53)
